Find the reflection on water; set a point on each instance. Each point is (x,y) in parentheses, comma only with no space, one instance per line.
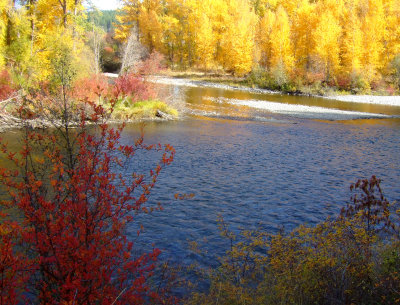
(256,168)
(208,100)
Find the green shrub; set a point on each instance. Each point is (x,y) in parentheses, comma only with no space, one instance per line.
(276,79)
(358,83)
(396,70)
(126,109)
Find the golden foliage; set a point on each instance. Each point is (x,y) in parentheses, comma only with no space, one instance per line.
(32,32)
(332,37)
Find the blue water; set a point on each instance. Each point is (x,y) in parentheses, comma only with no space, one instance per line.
(257,173)
(257,168)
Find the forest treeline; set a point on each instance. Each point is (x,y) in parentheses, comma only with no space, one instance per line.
(281,44)
(346,43)
(53,47)
(33,34)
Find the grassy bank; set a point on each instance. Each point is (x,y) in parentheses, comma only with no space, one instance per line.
(124,110)
(143,110)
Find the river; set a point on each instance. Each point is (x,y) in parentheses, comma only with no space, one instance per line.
(262,161)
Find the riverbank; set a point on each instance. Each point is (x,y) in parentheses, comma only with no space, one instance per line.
(138,112)
(368,99)
(238,84)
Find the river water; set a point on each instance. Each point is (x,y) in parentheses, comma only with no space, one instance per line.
(262,161)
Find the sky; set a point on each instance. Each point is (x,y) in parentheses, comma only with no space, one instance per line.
(106,4)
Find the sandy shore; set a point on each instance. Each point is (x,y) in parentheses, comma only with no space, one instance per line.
(367,99)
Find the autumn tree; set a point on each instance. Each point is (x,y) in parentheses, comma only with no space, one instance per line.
(303,26)
(373,32)
(75,200)
(237,44)
(332,37)
(264,38)
(352,41)
(391,36)
(201,22)
(326,35)
(281,48)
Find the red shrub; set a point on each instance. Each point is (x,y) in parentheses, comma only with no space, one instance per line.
(135,87)
(75,210)
(90,88)
(7,87)
(344,81)
(378,84)
(314,77)
(391,90)
(12,265)
(152,65)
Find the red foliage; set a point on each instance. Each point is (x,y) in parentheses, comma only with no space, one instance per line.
(134,86)
(90,88)
(390,90)
(369,203)
(152,65)
(7,88)
(344,81)
(75,209)
(314,77)
(12,265)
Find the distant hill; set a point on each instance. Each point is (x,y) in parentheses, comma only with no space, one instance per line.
(104,19)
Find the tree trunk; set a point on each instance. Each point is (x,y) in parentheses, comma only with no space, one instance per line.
(9,25)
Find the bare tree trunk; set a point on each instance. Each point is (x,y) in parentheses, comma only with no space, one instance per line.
(96,50)
(63,4)
(134,51)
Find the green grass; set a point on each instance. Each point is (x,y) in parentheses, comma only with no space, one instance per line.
(127,110)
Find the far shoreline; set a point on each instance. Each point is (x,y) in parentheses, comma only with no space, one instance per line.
(201,80)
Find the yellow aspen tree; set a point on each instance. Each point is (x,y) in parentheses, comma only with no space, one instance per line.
(290,6)
(373,33)
(201,29)
(352,42)
(49,19)
(53,14)
(391,36)
(57,13)
(264,37)
(281,48)
(127,17)
(177,35)
(3,20)
(261,6)
(146,15)
(171,28)
(304,23)
(237,44)
(151,30)
(335,7)
(220,21)
(326,37)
